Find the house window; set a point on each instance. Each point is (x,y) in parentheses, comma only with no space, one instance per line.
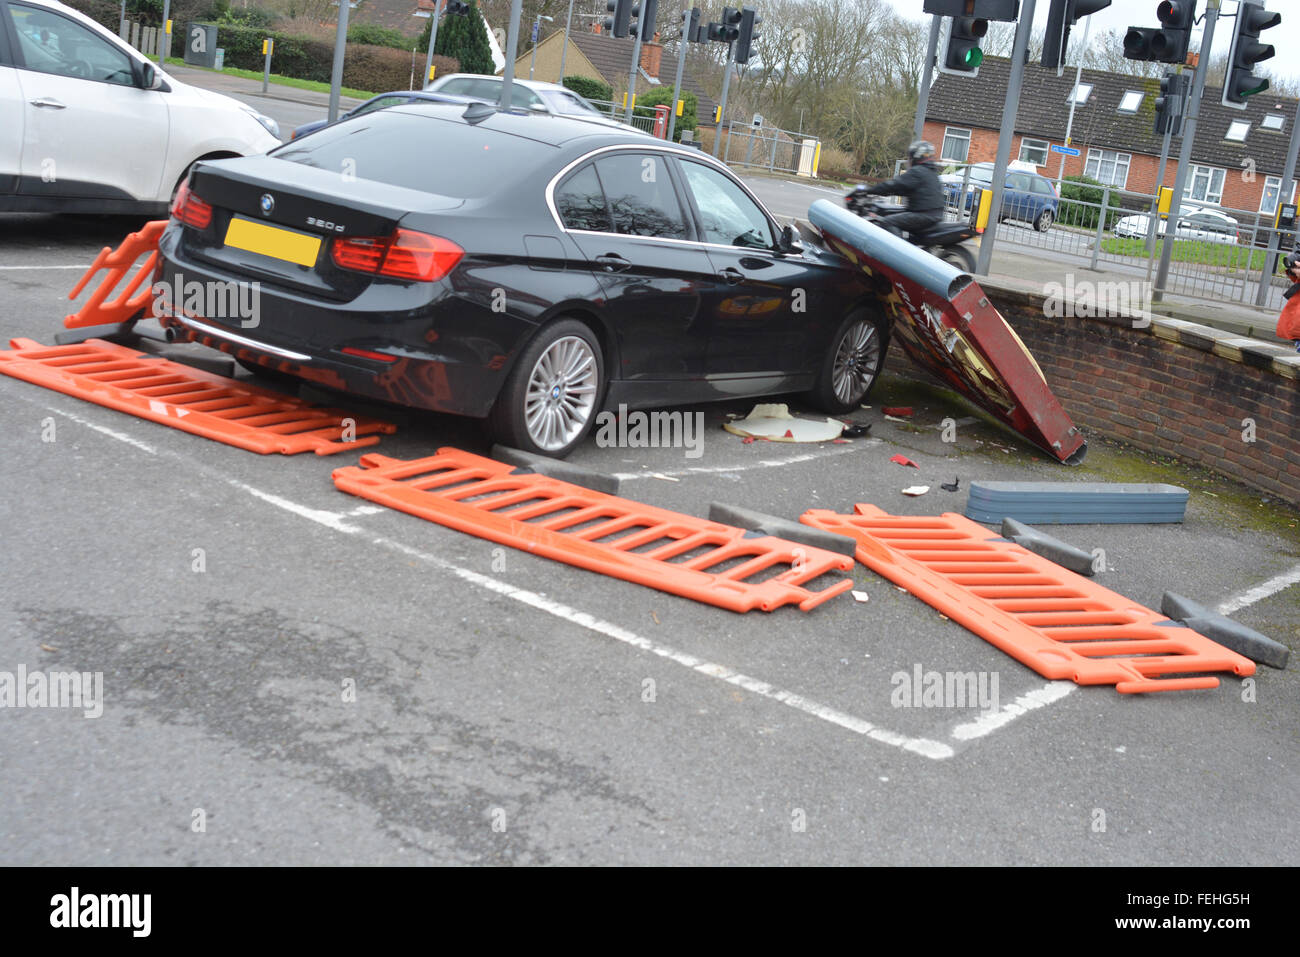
(1274,121)
(1131,102)
(1109,167)
(1272,186)
(1034,151)
(1206,185)
(956,144)
(1237,131)
(1082,92)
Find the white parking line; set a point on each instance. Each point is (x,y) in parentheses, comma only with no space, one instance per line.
(11,268)
(760,464)
(1030,701)
(1261,591)
(105,430)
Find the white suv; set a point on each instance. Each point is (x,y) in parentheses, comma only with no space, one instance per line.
(87,124)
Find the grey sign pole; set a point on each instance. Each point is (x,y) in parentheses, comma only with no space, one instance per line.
(677,86)
(512,47)
(433,38)
(722,107)
(1283,195)
(1019,54)
(162,39)
(1185,152)
(923,94)
(564,47)
(340,45)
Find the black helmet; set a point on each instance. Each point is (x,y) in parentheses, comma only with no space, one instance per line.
(920,151)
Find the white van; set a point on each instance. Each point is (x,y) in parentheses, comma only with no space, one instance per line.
(88,125)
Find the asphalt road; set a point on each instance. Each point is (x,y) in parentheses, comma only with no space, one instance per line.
(328,682)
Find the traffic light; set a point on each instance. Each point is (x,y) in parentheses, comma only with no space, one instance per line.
(1166,43)
(1241,82)
(643,19)
(728,29)
(1169,104)
(962,54)
(617,25)
(748,20)
(1063,15)
(691,26)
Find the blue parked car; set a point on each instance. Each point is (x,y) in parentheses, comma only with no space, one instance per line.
(1026,196)
(396,98)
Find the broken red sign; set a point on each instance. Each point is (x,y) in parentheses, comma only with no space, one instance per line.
(902,411)
(903,460)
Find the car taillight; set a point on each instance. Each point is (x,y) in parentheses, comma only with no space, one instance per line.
(406,254)
(191,210)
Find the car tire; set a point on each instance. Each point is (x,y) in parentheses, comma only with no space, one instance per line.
(959,257)
(550,398)
(1044,221)
(851,365)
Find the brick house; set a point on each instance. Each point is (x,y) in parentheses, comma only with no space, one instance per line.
(607,59)
(1237,160)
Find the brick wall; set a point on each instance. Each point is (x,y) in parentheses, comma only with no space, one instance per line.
(1175,388)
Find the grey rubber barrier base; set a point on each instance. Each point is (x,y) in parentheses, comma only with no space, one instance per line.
(556,469)
(1075,503)
(1220,628)
(781,528)
(1053,549)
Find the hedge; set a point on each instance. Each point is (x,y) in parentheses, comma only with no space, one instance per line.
(591,89)
(1085,189)
(365,67)
(664,94)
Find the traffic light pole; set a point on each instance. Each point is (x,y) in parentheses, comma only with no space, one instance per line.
(722,106)
(636,65)
(927,78)
(677,86)
(1018,56)
(512,47)
(433,38)
(1193,110)
(1283,195)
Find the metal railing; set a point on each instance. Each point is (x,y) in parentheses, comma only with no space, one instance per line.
(641,118)
(770,148)
(1219,253)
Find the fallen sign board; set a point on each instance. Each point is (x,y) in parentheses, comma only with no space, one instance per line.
(1076,503)
(679,554)
(1051,620)
(169,393)
(947,325)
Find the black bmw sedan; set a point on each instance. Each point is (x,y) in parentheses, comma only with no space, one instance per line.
(521,268)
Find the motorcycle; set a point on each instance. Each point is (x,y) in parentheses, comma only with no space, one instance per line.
(944,239)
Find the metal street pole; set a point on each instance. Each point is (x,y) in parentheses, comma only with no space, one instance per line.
(433,38)
(1074,96)
(1283,196)
(677,86)
(336,74)
(923,94)
(1185,153)
(162,38)
(122,29)
(1007,134)
(512,47)
(631,76)
(532,60)
(564,47)
(722,107)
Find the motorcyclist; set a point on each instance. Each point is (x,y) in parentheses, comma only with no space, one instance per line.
(1288,324)
(920,184)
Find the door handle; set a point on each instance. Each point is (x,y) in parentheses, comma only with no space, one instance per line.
(611,262)
(48,103)
(732,276)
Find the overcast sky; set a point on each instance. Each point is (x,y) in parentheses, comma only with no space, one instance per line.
(1122,14)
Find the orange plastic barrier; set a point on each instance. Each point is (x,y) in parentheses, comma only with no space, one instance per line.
(95,311)
(1058,623)
(188,399)
(601,533)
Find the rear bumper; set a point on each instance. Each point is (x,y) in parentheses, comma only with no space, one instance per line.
(446,356)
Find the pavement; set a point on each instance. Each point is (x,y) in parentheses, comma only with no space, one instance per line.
(294,676)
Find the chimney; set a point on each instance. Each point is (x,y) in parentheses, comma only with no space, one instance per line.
(652,55)
(1193,60)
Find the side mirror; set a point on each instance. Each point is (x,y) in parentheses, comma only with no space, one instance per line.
(788,241)
(146,75)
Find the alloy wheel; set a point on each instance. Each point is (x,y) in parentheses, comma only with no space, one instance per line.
(856,361)
(561,393)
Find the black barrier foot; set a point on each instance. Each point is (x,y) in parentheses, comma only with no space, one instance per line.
(781,528)
(1053,549)
(1220,628)
(556,469)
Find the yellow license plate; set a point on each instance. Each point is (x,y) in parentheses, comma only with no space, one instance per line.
(284,244)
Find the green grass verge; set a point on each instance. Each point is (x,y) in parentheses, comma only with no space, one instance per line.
(276,79)
(1226,255)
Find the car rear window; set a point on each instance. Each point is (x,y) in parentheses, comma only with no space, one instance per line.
(424,152)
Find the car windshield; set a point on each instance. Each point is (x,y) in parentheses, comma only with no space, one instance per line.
(400,147)
(981,174)
(561,101)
